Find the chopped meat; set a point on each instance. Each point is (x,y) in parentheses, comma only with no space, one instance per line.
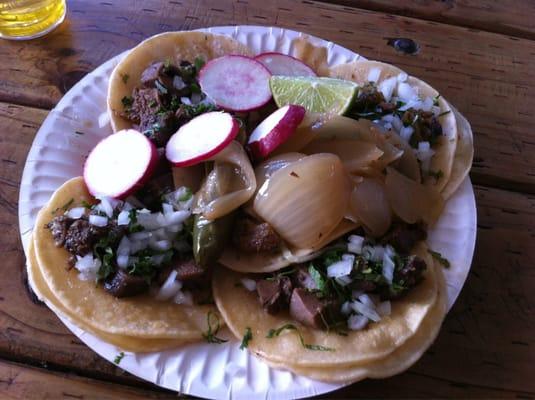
(159,127)
(123,284)
(312,311)
(426,126)
(368,98)
(302,279)
(274,295)
(146,102)
(58,227)
(387,107)
(150,194)
(364,285)
(81,236)
(158,72)
(252,236)
(188,270)
(403,237)
(412,273)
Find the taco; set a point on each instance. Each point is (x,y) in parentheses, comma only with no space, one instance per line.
(87,268)
(349,307)
(409,107)
(155,88)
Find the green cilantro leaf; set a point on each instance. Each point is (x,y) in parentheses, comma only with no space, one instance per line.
(247,337)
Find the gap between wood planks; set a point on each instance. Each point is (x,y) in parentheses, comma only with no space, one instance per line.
(478,16)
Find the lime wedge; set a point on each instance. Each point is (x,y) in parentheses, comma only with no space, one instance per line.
(321,95)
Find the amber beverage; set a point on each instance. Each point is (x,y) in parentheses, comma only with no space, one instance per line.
(28,19)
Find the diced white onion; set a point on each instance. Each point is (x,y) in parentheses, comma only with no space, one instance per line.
(124,246)
(436,110)
(105,206)
(169,288)
(123,218)
(355,244)
(367,301)
(174,228)
(88,267)
(249,284)
(388,117)
(75,213)
(340,268)
(363,309)
(157,259)
(406,92)
(177,217)
(98,220)
(387,126)
(384,308)
(387,87)
(402,77)
(357,322)
(183,298)
(122,261)
(140,235)
(377,253)
(416,104)
(160,245)
(167,208)
(346,308)
(424,154)
(427,104)
(185,100)
(396,123)
(374,74)
(388,269)
(138,245)
(103,119)
(178,83)
(148,221)
(406,133)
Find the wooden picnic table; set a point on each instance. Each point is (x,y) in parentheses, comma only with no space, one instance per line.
(478,54)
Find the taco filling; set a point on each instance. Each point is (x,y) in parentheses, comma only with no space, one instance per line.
(348,286)
(167,96)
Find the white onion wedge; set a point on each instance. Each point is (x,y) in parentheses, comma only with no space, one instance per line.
(305,200)
(370,205)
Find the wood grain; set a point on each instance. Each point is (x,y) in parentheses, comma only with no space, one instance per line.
(489,77)
(21,382)
(509,17)
(485,349)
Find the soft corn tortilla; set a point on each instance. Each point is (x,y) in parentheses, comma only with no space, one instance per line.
(127,343)
(464,155)
(442,160)
(139,316)
(173,46)
(398,361)
(241,309)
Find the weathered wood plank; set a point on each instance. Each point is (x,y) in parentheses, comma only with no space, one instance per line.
(509,17)
(487,76)
(485,348)
(22,382)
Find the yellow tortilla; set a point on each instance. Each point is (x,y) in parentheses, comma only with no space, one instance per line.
(464,155)
(126,343)
(442,160)
(401,359)
(139,316)
(173,46)
(241,309)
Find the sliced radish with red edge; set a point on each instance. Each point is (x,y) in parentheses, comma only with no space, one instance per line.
(282,64)
(275,130)
(236,83)
(120,164)
(201,138)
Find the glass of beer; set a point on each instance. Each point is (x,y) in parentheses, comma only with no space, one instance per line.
(28,19)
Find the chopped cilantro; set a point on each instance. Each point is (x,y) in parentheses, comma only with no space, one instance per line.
(153,104)
(279,275)
(291,327)
(210,335)
(87,205)
(106,268)
(437,256)
(118,357)
(199,63)
(133,226)
(124,78)
(186,195)
(64,207)
(436,174)
(247,337)
(318,278)
(127,101)
(167,63)
(195,88)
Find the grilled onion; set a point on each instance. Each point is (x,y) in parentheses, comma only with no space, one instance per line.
(305,200)
(412,201)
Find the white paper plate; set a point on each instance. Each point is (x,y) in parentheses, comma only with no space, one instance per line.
(212,371)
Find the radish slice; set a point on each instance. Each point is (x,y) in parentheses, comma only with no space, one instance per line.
(201,138)
(282,64)
(120,164)
(236,83)
(275,130)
